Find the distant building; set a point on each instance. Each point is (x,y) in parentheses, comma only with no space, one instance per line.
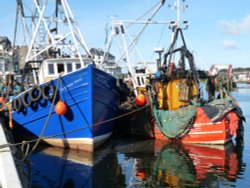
(5,44)
(9,58)
(5,63)
(108,65)
(5,57)
(241,76)
(22,52)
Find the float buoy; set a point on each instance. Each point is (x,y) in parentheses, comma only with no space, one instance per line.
(61,108)
(1,100)
(140,99)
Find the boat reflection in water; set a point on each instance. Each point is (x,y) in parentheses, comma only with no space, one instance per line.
(154,164)
(56,167)
(179,165)
(139,163)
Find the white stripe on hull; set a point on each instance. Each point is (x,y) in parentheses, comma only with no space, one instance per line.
(211,132)
(83,144)
(209,142)
(210,123)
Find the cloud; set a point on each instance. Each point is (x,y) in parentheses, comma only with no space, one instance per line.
(234,27)
(229,45)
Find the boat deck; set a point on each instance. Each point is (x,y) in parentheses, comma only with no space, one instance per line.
(8,172)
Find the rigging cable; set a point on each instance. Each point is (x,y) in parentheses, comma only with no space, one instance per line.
(71,131)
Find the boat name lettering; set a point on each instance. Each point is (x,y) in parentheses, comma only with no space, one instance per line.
(71,84)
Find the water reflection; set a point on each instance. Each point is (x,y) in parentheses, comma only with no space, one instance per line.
(155,164)
(196,165)
(55,167)
(131,162)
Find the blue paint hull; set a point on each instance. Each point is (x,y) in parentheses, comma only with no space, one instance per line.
(91,98)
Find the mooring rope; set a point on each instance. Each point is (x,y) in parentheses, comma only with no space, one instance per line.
(47,120)
(71,131)
(26,152)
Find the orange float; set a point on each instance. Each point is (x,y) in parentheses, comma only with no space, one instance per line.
(1,100)
(140,99)
(61,108)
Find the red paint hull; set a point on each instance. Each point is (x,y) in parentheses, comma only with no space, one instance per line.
(209,133)
(204,131)
(217,133)
(206,158)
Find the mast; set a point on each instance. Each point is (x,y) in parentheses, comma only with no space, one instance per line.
(54,34)
(176,26)
(178,14)
(57,4)
(18,8)
(144,27)
(118,28)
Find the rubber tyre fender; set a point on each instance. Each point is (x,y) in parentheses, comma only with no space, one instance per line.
(35,93)
(17,104)
(25,100)
(45,92)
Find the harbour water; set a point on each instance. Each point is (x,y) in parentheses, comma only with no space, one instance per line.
(136,162)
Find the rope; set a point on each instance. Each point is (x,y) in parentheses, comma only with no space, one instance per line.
(26,151)
(47,120)
(10,117)
(8,105)
(4,107)
(71,131)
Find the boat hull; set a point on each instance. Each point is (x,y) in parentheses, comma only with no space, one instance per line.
(91,98)
(136,121)
(203,131)
(208,133)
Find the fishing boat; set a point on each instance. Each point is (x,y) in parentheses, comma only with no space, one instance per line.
(66,101)
(136,105)
(180,109)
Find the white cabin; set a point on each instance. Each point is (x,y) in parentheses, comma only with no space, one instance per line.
(51,68)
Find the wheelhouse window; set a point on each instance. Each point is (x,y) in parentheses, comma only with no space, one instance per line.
(139,81)
(78,65)
(60,68)
(51,69)
(69,67)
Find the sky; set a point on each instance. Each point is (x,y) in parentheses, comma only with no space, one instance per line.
(218,30)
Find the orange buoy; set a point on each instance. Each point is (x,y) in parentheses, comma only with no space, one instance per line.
(1,100)
(140,175)
(61,108)
(140,99)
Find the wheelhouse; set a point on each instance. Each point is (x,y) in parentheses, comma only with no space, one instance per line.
(51,68)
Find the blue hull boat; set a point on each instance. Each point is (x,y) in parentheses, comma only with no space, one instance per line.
(91,98)
(59,68)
